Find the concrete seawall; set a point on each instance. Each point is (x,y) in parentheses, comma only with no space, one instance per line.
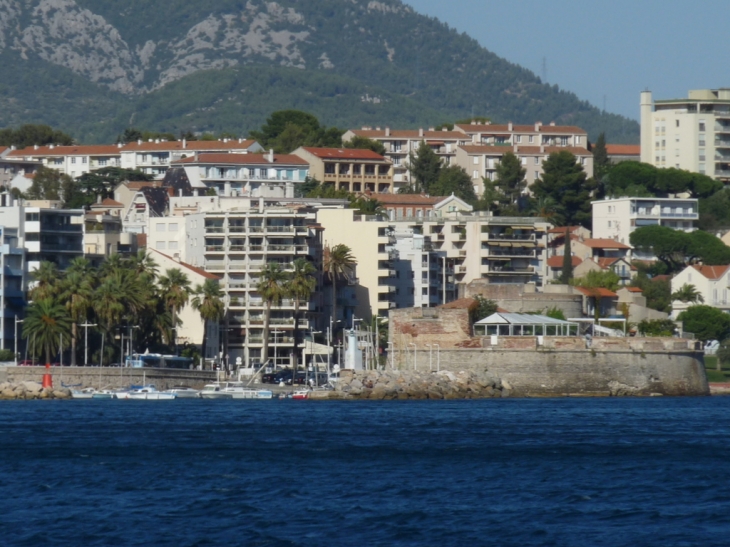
(110,377)
(614,369)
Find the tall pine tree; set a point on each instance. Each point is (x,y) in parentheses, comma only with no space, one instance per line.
(567,274)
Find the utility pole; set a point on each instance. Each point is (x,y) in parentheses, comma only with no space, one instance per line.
(86,341)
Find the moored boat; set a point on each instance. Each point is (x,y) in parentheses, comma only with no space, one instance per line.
(104,394)
(301,394)
(215,391)
(149,393)
(86,393)
(183,392)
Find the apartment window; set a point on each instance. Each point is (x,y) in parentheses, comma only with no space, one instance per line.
(476,160)
(702,126)
(577,139)
(160,245)
(83,160)
(702,154)
(656,144)
(564,141)
(518,138)
(676,123)
(102,162)
(609,223)
(537,175)
(531,139)
(676,152)
(664,143)
(172,245)
(537,160)
(73,160)
(676,138)
(701,168)
(160,227)
(523,161)
(475,175)
(702,140)
(172,227)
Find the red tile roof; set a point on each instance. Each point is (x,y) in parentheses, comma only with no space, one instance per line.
(599,291)
(81,150)
(243,159)
(711,272)
(557,261)
(406,199)
(604,244)
(623,149)
(495,128)
(344,153)
(3,149)
(232,144)
(633,289)
(108,202)
(561,229)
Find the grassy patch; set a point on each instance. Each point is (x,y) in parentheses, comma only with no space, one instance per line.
(714,375)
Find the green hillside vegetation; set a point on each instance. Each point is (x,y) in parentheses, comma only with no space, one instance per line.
(422,73)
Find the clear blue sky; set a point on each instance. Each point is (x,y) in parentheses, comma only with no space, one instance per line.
(592,48)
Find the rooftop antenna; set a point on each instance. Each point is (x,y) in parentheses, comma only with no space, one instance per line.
(604,104)
(544,70)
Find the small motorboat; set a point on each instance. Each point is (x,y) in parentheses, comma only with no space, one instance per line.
(238,390)
(86,393)
(215,391)
(149,393)
(301,394)
(183,392)
(104,394)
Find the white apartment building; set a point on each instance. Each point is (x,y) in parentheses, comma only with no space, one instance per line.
(150,157)
(481,161)
(691,134)
(617,218)
(234,238)
(155,157)
(421,277)
(12,286)
(73,160)
(712,282)
(266,175)
(537,134)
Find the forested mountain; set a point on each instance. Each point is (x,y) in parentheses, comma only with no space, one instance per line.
(94,67)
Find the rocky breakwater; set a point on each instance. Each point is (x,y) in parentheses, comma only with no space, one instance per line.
(31,390)
(380,385)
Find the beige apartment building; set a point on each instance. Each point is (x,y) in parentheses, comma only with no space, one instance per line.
(691,134)
(480,161)
(537,134)
(399,143)
(71,160)
(351,169)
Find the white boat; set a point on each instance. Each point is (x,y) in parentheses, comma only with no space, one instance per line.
(149,393)
(183,392)
(86,393)
(104,394)
(238,390)
(215,391)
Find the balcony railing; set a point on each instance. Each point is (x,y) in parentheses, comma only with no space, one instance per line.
(511,237)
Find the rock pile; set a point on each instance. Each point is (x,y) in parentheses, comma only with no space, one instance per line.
(31,390)
(379,385)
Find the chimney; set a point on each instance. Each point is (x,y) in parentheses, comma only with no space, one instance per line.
(420,131)
(35,147)
(271,155)
(184,143)
(196,156)
(542,149)
(538,125)
(12,147)
(179,192)
(157,141)
(387,131)
(51,146)
(119,145)
(139,141)
(509,126)
(473,122)
(552,124)
(240,141)
(431,128)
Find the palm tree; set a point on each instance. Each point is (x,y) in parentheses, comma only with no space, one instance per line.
(208,302)
(46,322)
(175,287)
(46,277)
(688,293)
(143,264)
(547,208)
(77,290)
(301,286)
(272,290)
(338,261)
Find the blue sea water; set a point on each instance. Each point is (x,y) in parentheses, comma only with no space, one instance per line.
(563,472)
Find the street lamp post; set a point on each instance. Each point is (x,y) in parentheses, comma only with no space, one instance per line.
(16,339)
(86,341)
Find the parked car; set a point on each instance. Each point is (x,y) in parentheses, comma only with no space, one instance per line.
(319,378)
(278,376)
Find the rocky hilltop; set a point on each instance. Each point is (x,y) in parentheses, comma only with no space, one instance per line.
(351,63)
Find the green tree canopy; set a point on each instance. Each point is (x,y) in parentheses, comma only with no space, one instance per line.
(30,135)
(287,130)
(706,322)
(688,293)
(483,307)
(510,180)
(364,143)
(601,161)
(633,178)
(598,279)
(676,248)
(564,180)
(425,167)
(454,180)
(656,291)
